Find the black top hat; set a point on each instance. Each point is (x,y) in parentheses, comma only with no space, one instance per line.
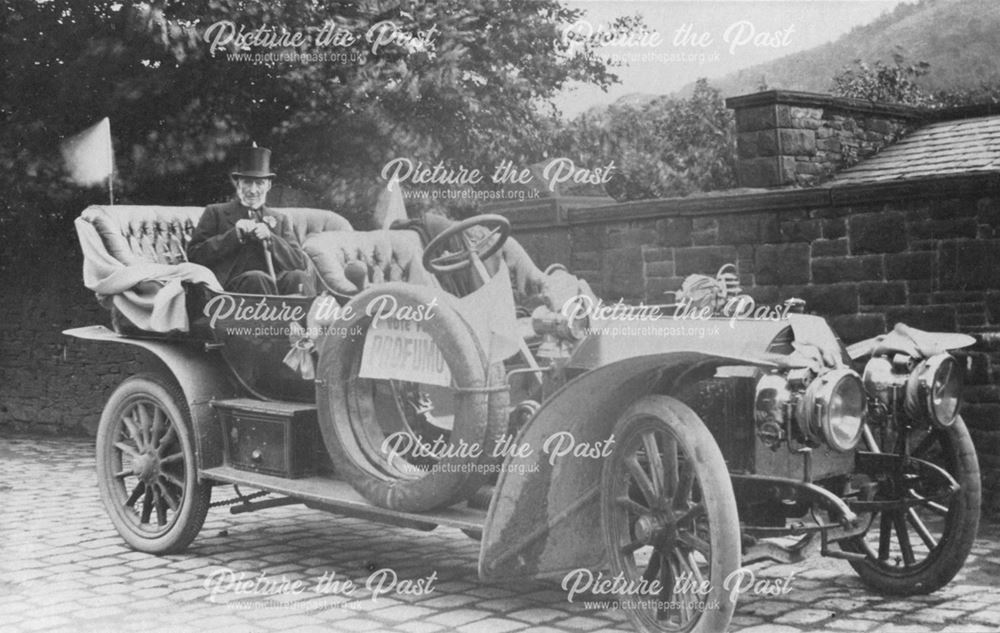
(255,162)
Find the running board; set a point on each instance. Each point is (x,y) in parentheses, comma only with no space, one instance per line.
(339,497)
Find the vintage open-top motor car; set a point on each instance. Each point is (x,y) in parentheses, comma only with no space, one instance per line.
(660,446)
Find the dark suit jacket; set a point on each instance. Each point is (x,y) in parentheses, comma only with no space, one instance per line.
(215,243)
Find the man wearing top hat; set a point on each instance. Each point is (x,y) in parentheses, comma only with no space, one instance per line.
(236,239)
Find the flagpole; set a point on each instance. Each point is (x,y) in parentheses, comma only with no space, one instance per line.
(111,174)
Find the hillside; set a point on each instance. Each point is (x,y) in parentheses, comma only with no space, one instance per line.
(957,37)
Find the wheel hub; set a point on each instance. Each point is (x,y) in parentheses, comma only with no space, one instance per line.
(653,530)
(147,467)
(644,529)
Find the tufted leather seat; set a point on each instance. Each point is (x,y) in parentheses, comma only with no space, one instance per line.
(134,234)
(387,255)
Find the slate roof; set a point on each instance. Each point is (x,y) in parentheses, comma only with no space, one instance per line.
(938,149)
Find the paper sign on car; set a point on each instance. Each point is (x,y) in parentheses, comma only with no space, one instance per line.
(401,350)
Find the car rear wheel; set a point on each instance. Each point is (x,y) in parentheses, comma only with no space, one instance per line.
(146,468)
(919,547)
(669,516)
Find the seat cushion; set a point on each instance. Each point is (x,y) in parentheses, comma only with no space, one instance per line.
(387,255)
(134,234)
(306,221)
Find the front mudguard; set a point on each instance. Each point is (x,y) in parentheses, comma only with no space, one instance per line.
(544,517)
(202,376)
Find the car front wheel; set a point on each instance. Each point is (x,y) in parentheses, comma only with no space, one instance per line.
(669,517)
(920,544)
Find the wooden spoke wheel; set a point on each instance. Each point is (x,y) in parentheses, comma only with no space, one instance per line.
(146,466)
(669,519)
(919,546)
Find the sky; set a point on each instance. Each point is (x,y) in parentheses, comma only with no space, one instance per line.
(711,38)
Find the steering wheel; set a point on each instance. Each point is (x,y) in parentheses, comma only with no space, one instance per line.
(438,259)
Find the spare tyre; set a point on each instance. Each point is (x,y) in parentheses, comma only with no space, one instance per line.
(403,444)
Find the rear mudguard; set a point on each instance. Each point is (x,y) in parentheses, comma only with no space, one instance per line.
(544,517)
(202,377)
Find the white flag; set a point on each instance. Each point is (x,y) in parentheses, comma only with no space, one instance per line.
(390,206)
(88,155)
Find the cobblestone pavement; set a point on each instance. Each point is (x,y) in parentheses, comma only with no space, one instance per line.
(63,567)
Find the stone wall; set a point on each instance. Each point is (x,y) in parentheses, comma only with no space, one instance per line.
(927,254)
(796,138)
(50,383)
(866,257)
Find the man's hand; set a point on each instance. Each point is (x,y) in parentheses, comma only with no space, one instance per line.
(244,227)
(251,228)
(261,231)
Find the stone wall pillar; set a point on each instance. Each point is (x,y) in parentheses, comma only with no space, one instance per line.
(799,138)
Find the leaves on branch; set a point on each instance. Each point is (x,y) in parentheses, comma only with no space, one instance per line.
(480,94)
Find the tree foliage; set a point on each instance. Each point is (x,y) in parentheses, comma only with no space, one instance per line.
(899,83)
(479,90)
(884,83)
(670,146)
